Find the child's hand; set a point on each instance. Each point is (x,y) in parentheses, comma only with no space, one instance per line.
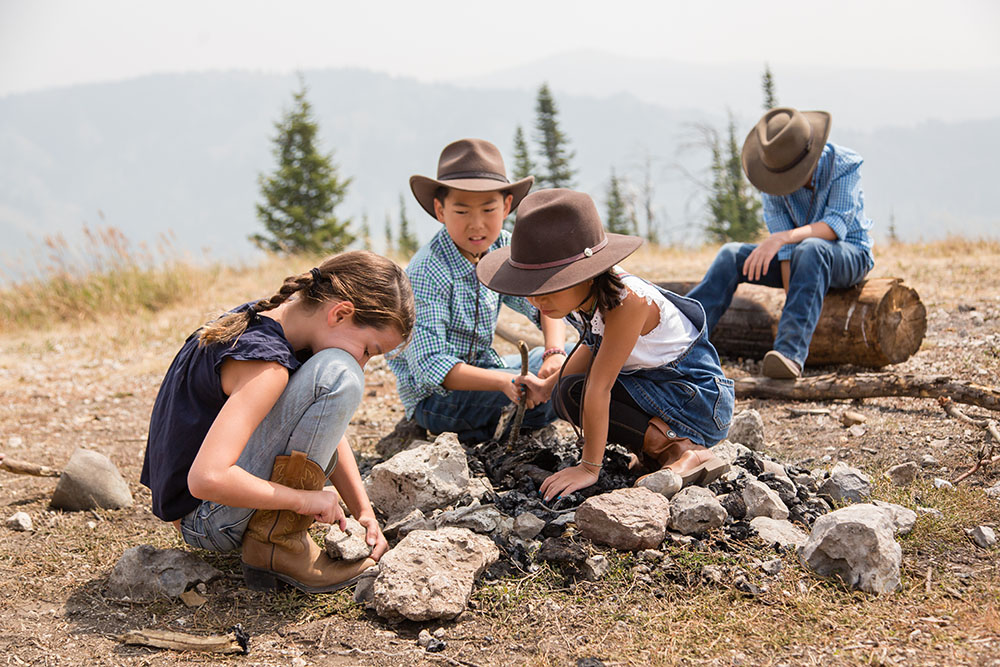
(551,365)
(325,506)
(757,262)
(374,537)
(567,481)
(536,389)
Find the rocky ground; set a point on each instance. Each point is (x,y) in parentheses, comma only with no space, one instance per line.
(91,384)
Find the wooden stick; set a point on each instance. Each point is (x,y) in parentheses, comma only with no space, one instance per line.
(25,468)
(869,385)
(985,455)
(522,401)
(180,641)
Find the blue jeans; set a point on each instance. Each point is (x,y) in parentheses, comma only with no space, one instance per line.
(473,415)
(310,416)
(816,266)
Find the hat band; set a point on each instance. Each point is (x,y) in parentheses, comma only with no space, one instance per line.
(793,163)
(454,176)
(587,252)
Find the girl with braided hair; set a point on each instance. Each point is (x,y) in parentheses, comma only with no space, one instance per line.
(250,419)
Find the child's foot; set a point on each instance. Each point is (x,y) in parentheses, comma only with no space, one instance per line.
(698,466)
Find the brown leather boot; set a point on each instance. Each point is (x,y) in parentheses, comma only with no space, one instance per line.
(663,448)
(277,546)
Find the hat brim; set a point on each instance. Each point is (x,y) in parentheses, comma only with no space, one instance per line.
(496,272)
(424,188)
(785,182)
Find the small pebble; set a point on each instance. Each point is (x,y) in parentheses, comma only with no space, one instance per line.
(19,521)
(984,537)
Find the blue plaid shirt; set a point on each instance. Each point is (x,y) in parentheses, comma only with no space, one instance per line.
(836,199)
(448,328)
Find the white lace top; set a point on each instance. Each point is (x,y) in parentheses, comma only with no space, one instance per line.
(666,341)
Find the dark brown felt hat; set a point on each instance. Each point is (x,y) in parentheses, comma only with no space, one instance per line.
(471,165)
(783,148)
(558,242)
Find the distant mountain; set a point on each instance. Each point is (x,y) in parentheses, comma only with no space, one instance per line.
(183,153)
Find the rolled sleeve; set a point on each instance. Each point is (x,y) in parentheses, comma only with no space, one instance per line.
(844,202)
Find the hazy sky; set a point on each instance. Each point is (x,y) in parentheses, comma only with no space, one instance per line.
(45,43)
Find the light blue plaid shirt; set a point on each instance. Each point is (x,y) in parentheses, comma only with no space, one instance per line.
(836,199)
(448,329)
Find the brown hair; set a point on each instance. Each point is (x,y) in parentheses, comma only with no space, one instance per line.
(609,290)
(377,287)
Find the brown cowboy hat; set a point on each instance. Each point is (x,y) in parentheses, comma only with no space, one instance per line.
(558,242)
(783,148)
(471,165)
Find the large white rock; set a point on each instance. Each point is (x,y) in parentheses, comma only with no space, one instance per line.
(145,573)
(729,451)
(902,519)
(665,482)
(426,477)
(846,484)
(627,519)
(696,510)
(747,428)
(429,575)
(855,543)
(779,531)
(761,500)
(347,545)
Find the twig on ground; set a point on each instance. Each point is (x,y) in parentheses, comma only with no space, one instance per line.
(985,455)
(25,468)
(800,412)
(180,641)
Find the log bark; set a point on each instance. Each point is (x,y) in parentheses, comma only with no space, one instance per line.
(869,385)
(875,323)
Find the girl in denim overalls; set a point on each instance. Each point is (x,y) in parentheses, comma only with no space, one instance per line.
(645,374)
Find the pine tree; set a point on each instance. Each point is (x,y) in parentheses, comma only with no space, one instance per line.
(618,219)
(365,233)
(523,166)
(407,243)
(652,227)
(299,198)
(389,247)
(733,207)
(767,83)
(556,155)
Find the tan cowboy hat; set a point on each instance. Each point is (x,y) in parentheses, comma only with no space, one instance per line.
(558,242)
(783,148)
(471,165)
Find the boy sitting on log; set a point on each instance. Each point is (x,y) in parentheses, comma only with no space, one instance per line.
(814,211)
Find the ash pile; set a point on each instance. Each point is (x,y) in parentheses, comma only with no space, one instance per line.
(455,513)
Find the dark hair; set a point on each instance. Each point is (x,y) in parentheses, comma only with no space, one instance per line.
(377,287)
(442,193)
(609,290)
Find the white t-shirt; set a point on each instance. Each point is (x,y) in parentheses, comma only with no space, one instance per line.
(664,342)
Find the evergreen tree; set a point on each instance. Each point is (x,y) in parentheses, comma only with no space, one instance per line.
(365,233)
(767,83)
(389,247)
(299,198)
(555,153)
(733,207)
(523,166)
(893,234)
(407,243)
(619,219)
(652,227)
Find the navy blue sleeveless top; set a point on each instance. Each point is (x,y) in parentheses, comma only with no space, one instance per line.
(190,399)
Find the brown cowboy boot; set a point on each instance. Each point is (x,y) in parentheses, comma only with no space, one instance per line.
(277,546)
(663,448)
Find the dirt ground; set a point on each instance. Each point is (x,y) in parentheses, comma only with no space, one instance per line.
(92,383)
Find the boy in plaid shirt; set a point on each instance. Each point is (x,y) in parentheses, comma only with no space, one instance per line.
(449,377)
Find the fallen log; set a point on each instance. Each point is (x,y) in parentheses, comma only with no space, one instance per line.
(875,323)
(869,385)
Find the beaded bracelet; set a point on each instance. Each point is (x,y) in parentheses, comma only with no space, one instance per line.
(551,351)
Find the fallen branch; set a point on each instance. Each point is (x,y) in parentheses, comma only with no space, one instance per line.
(984,456)
(179,641)
(869,385)
(25,468)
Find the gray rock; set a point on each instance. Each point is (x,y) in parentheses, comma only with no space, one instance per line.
(993,491)
(480,488)
(145,573)
(714,573)
(477,518)
(415,520)
(651,555)
(349,544)
(695,510)
(595,567)
(364,589)
(761,500)
(772,567)
(19,521)
(846,484)
(930,511)
(729,451)
(628,519)
(779,531)
(527,525)
(429,575)
(427,477)
(665,482)
(747,429)
(775,468)
(902,519)
(928,461)
(942,484)
(855,543)
(903,474)
(90,481)
(984,537)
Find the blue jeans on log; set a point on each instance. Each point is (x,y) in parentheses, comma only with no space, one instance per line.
(816,266)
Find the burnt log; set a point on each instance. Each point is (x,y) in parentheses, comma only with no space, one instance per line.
(875,323)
